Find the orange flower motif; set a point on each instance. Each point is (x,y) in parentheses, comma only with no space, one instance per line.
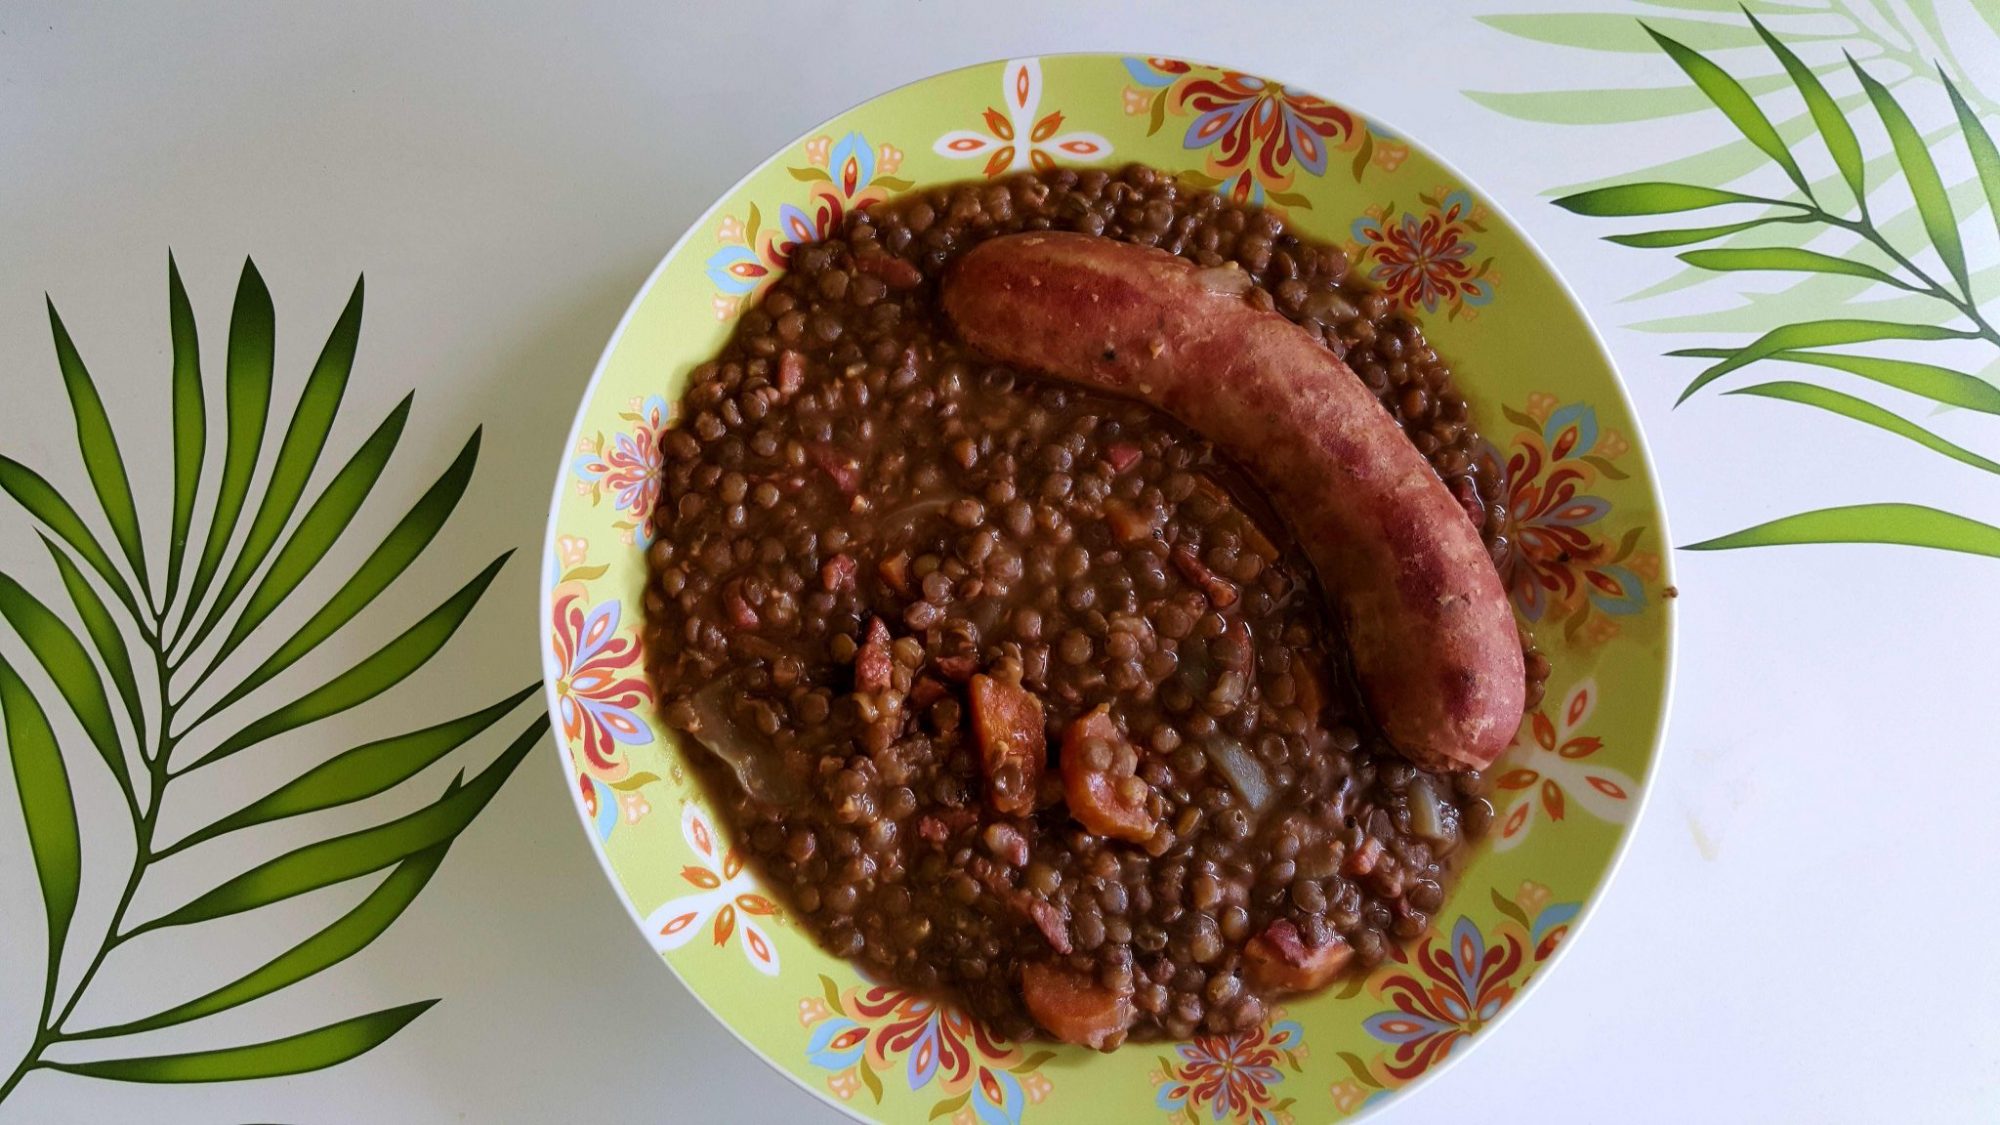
(726,901)
(1022,136)
(1542,777)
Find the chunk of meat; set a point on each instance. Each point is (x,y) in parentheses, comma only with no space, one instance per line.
(1127,525)
(1074,1008)
(872,662)
(741,613)
(837,573)
(925,692)
(1416,593)
(1122,455)
(1362,858)
(1279,959)
(1221,592)
(1051,922)
(844,471)
(895,570)
(1100,779)
(1007,720)
(895,272)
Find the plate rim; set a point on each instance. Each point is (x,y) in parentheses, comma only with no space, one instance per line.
(1669,607)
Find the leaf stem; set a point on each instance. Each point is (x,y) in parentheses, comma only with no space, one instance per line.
(31,1061)
(144,822)
(1865,229)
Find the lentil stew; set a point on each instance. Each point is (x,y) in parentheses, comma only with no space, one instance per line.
(1023,692)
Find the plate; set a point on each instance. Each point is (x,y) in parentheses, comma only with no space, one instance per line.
(1590,571)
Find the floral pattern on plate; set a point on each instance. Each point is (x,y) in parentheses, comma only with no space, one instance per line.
(628,465)
(868,1030)
(1256,134)
(1564,565)
(1232,1078)
(840,176)
(1021,136)
(725,892)
(1556,766)
(1424,259)
(1449,986)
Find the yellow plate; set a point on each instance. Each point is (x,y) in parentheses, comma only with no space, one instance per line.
(1590,572)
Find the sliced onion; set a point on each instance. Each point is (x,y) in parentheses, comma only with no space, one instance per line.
(717,732)
(1229,280)
(1426,814)
(905,519)
(1243,770)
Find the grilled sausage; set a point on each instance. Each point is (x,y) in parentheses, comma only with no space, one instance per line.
(1425,616)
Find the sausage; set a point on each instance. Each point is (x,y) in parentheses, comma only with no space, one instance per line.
(1110,801)
(1013,743)
(1074,1008)
(1427,621)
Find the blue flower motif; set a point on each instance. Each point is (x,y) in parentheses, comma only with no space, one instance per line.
(852,163)
(1584,417)
(1145,74)
(834,1047)
(735,270)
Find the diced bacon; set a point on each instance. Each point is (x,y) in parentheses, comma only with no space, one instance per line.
(940,826)
(1362,858)
(1051,922)
(926,692)
(1007,719)
(1074,1008)
(1221,592)
(1127,525)
(872,663)
(741,613)
(1122,455)
(895,272)
(895,570)
(837,573)
(844,471)
(791,372)
(1279,958)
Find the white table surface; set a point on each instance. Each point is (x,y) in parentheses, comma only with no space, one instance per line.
(1803,928)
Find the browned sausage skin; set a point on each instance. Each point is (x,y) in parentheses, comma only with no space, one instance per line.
(1425,615)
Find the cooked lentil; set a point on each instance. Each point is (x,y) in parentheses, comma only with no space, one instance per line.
(998,674)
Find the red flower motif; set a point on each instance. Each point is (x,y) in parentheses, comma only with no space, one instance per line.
(1427,259)
(1563,562)
(1258,129)
(1231,1075)
(1464,984)
(596,694)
